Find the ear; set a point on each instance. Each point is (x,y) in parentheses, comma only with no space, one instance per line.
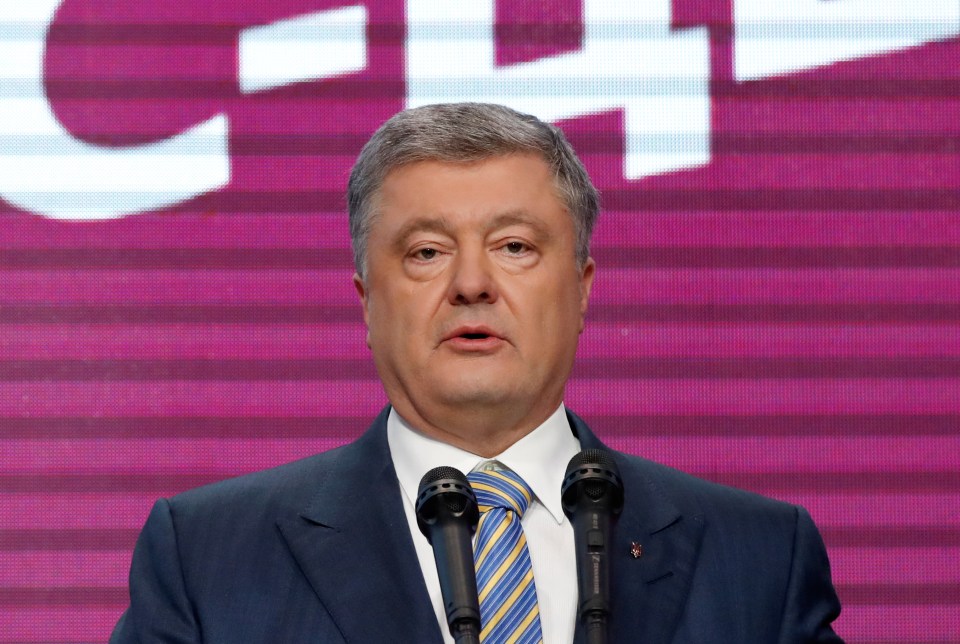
(586,283)
(364,294)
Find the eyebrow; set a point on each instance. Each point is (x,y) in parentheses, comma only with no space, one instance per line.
(518,217)
(420,224)
(442,226)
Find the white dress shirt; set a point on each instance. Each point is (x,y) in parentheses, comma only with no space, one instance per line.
(540,458)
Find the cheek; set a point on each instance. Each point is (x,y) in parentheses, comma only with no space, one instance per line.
(562,299)
(397,323)
(380,324)
(569,316)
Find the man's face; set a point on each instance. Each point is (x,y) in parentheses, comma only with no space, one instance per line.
(473,299)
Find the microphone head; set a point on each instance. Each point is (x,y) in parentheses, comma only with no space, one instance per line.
(444,494)
(593,475)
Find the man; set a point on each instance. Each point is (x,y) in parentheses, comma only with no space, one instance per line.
(470,225)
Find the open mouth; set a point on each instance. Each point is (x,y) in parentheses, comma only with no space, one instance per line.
(476,338)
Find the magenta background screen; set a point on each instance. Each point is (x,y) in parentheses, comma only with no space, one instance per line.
(783,316)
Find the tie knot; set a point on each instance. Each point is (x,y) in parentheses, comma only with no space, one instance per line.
(500,489)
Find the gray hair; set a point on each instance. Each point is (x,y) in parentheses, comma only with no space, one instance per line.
(462,133)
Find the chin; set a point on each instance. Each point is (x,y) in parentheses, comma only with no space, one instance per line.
(476,394)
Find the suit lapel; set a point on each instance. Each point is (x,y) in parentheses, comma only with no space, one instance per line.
(648,592)
(353,544)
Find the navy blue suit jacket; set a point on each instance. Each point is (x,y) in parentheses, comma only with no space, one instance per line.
(320,551)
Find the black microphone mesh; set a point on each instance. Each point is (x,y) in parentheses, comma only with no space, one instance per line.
(594,489)
(599,457)
(443,472)
(455,502)
(603,472)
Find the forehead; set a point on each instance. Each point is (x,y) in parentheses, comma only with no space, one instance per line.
(472,193)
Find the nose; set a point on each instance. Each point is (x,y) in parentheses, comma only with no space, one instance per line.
(472,280)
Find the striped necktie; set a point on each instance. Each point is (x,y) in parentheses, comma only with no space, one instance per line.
(508,596)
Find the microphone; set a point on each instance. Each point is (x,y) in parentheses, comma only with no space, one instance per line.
(447,515)
(592,496)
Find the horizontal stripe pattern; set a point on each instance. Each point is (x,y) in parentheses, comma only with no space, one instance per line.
(897,456)
(760,286)
(906,563)
(854,595)
(785,318)
(327,230)
(123,539)
(874,624)
(772,483)
(362,399)
(661,426)
(140,259)
(287,144)
(221,28)
(772,200)
(363,369)
(251,341)
(889,518)
(362,89)
(284,314)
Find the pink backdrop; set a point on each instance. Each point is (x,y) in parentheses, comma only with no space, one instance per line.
(783,317)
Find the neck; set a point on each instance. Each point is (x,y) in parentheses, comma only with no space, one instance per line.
(485,431)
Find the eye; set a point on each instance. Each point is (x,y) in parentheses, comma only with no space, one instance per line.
(426,254)
(515,247)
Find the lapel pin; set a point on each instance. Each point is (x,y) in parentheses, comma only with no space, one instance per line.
(636,550)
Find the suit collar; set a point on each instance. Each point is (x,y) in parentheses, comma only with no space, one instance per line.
(649,592)
(535,457)
(359,557)
(361,562)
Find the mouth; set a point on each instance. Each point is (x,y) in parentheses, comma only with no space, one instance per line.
(471,332)
(473,338)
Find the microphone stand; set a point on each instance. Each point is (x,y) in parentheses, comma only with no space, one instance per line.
(592,496)
(447,514)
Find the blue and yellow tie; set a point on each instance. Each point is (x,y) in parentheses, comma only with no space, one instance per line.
(508,596)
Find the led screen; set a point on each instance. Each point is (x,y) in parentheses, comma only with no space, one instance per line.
(777,304)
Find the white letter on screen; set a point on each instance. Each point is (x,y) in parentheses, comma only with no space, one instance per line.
(60,176)
(630,60)
(309,47)
(783,36)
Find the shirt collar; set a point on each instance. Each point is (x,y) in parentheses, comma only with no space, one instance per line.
(540,457)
